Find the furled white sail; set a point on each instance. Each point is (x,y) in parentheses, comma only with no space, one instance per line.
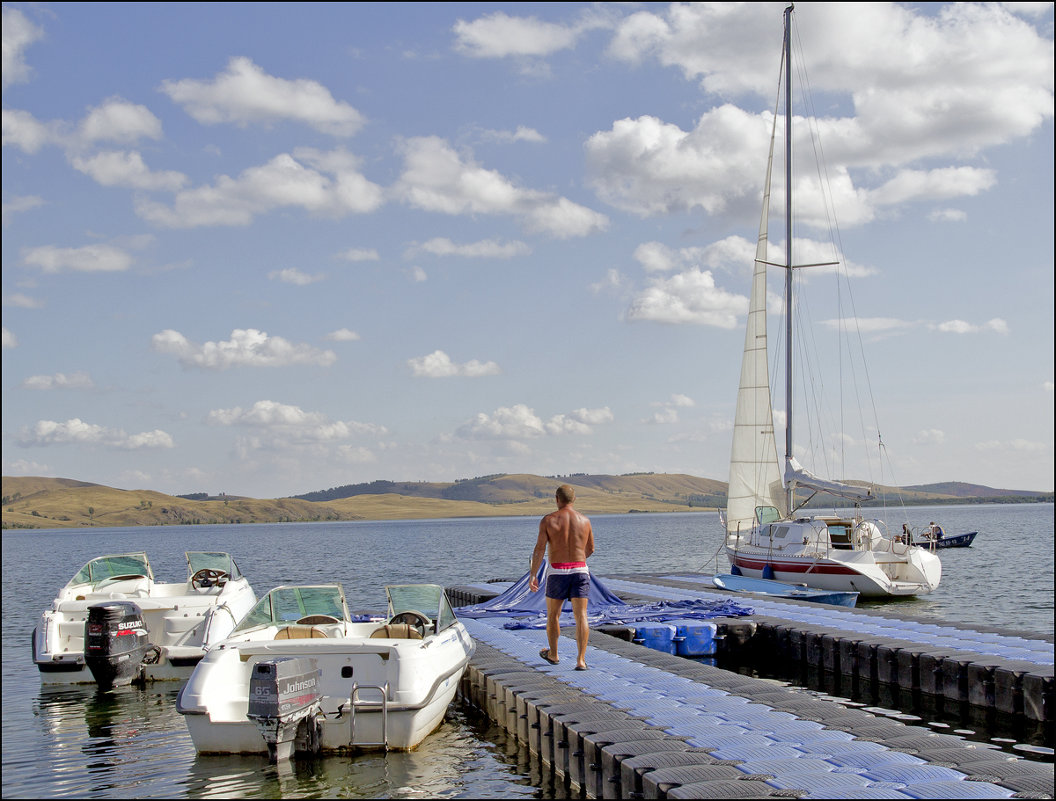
(796,475)
(755,471)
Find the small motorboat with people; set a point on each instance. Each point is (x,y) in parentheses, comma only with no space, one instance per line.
(779,589)
(114,624)
(301,675)
(933,536)
(768,535)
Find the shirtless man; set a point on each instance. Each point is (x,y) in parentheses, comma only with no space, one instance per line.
(571,541)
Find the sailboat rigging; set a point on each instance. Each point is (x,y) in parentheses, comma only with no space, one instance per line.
(764,536)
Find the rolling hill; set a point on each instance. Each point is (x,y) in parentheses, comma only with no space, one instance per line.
(36,502)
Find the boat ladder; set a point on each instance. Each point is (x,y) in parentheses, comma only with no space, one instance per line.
(378,703)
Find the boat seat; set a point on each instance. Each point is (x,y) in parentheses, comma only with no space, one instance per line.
(396,631)
(300,633)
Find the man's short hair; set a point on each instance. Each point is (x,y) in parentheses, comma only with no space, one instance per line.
(566,494)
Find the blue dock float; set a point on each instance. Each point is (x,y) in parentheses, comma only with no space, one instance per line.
(646,723)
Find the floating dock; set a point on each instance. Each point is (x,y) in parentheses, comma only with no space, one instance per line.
(645,722)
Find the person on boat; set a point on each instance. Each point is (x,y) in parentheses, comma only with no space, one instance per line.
(906,536)
(934,531)
(570,538)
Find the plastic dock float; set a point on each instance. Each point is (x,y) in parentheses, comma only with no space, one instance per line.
(989,669)
(649,724)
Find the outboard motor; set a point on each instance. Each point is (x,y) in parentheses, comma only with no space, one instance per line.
(116,640)
(284,703)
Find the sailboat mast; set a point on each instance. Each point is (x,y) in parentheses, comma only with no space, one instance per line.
(788,246)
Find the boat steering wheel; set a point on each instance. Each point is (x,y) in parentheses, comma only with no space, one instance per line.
(415,620)
(207,577)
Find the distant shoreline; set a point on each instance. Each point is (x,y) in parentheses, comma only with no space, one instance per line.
(56,503)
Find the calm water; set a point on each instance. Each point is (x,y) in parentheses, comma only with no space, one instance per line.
(131,742)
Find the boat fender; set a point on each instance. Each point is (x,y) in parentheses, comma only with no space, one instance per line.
(768,571)
(735,571)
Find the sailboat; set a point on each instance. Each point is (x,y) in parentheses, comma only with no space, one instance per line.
(767,535)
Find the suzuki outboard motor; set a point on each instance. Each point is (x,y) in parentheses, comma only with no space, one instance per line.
(115,642)
(284,703)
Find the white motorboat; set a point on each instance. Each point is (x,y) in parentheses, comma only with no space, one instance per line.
(114,624)
(300,675)
(766,534)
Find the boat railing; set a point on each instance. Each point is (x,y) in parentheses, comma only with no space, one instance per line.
(381,703)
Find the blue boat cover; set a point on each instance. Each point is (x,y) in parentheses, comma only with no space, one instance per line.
(527,610)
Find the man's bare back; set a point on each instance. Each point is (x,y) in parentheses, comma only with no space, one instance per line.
(569,535)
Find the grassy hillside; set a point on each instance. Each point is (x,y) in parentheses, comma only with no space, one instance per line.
(34,502)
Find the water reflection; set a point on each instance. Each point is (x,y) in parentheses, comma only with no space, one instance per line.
(132,742)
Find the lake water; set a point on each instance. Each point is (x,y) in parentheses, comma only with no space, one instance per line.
(132,743)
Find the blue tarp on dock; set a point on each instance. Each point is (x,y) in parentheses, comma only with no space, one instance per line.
(527,610)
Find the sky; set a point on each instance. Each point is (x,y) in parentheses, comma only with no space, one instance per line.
(266,249)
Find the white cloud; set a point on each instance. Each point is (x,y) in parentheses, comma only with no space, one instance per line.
(87,259)
(869,325)
(244,94)
(359,254)
(118,120)
(18,34)
(17,205)
(22,130)
(77,432)
(485,249)
(439,365)
(343,335)
(126,168)
(688,297)
(996,325)
(520,422)
(522,134)
(246,348)
(329,186)
(499,35)
(930,436)
(291,275)
(940,184)
(291,424)
(436,178)
(9,340)
(969,76)
(948,215)
(20,301)
(78,380)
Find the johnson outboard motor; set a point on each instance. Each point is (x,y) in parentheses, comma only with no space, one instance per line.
(284,703)
(115,642)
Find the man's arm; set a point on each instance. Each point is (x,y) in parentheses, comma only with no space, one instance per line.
(588,549)
(537,557)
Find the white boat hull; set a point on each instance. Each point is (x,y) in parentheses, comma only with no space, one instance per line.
(181,623)
(418,678)
(868,564)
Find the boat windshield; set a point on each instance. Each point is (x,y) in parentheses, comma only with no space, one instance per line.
(211,560)
(108,567)
(429,599)
(290,604)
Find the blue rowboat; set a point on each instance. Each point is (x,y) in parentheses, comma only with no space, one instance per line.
(779,589)
(947,541)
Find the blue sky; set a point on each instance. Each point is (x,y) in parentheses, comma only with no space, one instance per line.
(268,249)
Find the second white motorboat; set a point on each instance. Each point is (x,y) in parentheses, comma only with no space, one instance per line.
(113,624)
(300,675)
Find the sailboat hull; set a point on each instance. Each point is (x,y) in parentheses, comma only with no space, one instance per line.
(812,552)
